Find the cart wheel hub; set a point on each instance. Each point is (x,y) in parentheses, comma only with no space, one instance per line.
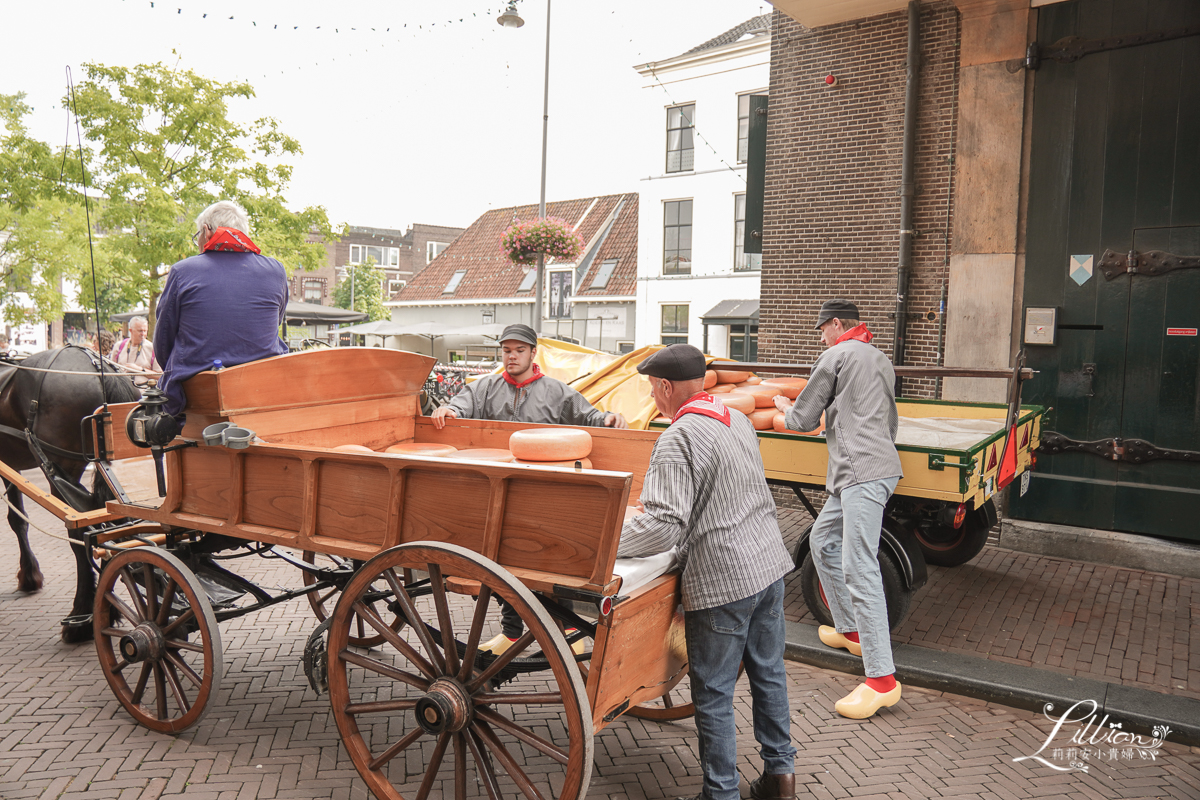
(446,708)
(143,643)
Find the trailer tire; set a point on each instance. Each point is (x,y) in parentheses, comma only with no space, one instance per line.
(897,595)
(943,546)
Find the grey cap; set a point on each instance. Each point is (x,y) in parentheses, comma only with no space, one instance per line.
(678,362)
(522,333)
(842,309)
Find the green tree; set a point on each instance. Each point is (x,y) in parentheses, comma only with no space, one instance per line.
(365,282)
(165,148)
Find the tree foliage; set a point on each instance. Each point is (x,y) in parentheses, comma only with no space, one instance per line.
(160,145)
(365,282)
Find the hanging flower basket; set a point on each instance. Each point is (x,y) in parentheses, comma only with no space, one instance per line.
(551,236)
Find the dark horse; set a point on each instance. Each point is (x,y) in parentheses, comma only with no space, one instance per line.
(51,405)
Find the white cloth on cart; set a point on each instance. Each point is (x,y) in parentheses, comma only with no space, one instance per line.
(637,572)
(948,432)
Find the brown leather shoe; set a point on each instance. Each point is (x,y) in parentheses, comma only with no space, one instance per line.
(774,787)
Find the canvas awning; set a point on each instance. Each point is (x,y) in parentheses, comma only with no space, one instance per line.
(732,312)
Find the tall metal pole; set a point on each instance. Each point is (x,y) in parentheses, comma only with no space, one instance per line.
(541,259)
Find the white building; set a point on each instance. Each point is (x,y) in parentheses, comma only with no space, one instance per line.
(691,267)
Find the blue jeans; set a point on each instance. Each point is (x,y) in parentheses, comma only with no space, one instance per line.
(749,631)
(845,548)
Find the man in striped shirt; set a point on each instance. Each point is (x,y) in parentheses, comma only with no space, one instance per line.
(853,383)
(705,494)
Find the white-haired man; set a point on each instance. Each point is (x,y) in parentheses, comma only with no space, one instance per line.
(135,353)
(225,304)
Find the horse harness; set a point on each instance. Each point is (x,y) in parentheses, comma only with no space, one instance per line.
(27,435)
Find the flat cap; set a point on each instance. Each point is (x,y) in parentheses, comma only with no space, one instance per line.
(678,362)
(842,309)
(522,333)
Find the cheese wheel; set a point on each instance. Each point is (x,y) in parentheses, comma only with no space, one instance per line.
(721,388)
(710,379)
(753,380)
(761,418)
(483,454)
(550,444)
(788,387)
(732,375)
(586,462)
(353,448)
(739,401)
(421,449)
(779,425)
(763,394)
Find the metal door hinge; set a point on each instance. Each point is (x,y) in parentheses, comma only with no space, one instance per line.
(1073,48)
(1135,451)
(1152,263)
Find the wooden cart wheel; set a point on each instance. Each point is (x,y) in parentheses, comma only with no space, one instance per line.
(404,706)
(362,634)
(675,704)
(157,639)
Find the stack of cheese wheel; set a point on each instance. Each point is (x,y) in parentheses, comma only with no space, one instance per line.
(764,409)
(788,387)
(727,379)
(780,426)
(739,401)
(422,449)
(353,448)
(483,454)
(552,447)
(710,379)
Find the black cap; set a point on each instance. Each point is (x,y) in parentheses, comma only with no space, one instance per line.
(522,333)
(842,309)
(678,362)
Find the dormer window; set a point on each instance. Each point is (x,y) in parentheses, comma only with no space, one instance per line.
(455,280)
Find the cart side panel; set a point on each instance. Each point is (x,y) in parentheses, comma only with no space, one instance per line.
(273,492)
(637,664)
(205,473)
(376,424)
(553,527)
(442,506)
(353,501)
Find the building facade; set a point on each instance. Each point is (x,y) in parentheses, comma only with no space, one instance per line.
(695,283)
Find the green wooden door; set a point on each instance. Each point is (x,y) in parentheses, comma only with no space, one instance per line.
(1115,165)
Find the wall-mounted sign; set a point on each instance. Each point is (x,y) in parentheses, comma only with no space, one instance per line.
(1080,268)
(1040,324)
(1181,331)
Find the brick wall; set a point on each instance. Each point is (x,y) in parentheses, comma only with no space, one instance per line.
(832,208)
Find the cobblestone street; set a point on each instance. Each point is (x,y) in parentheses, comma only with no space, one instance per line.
(268,735)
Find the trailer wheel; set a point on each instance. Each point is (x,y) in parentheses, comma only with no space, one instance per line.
(427,696)
(945,546)
(157,639)
(897,595)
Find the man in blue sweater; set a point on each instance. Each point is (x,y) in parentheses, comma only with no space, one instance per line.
(225,304)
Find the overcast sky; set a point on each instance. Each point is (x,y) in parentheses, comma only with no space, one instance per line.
(407,110)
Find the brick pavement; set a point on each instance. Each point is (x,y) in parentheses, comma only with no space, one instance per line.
(1117,625)
(63,735)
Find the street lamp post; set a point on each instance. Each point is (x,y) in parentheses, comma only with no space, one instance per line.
(510,19)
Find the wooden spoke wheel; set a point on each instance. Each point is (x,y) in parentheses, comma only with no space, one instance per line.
(322,602)
(157,639)
(427,708)
(676,704)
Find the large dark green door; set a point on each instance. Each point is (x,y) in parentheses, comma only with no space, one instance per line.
(1115,165)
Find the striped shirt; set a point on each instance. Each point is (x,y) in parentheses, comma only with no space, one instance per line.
(854,384)
(705,494)
(546,401)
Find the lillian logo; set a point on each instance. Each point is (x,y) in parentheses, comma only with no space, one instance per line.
(1078,740)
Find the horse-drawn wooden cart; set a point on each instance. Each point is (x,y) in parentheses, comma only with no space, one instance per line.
(439,537)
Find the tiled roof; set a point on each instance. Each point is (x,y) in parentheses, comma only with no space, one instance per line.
(751,26)
(489,273)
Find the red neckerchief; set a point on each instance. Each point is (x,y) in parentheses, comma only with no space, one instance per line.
(704,403)
(858,332)
(230,239)
(537,373)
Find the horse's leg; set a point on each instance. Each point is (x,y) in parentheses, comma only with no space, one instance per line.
(29,574)
(78,627)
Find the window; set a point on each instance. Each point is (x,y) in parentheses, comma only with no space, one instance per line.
(741,262)
(314,290)
(395,286)
(527,282)
(624,346)
(743,127)
(603,274)
(674,324)
(455,280)
(382,256)
(680,128)
(677,237)
(433,250)
(743,344)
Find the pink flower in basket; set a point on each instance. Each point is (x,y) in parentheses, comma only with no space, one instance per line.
(549,235)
